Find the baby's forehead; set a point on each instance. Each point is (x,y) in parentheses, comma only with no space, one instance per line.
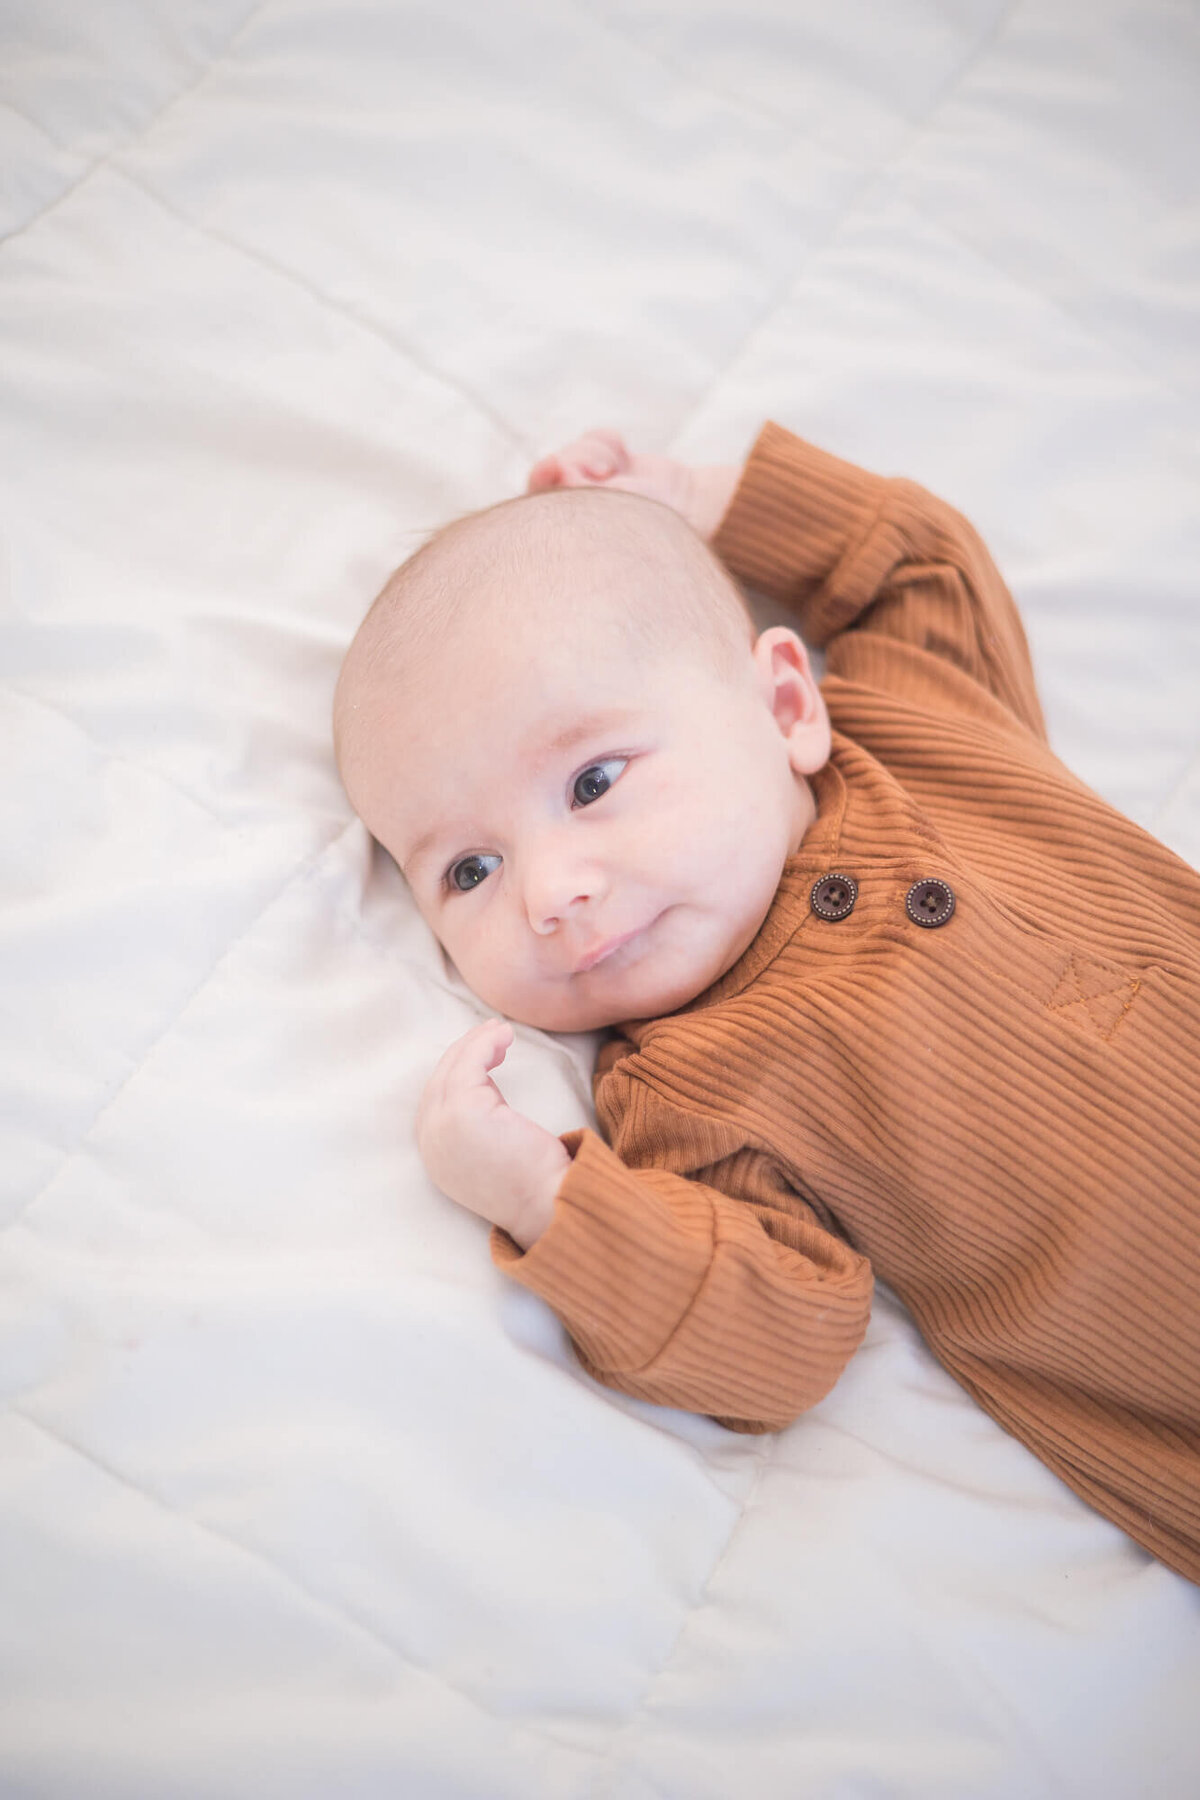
(594,596)
(574,581)
(527,674)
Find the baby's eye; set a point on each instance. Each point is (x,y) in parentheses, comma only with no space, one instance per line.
(597,780)
(469,871)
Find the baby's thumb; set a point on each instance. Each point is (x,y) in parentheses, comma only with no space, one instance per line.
(496,1045)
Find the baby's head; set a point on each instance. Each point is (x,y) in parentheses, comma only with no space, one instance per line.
(559,721)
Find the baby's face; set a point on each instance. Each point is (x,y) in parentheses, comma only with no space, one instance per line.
(594,835)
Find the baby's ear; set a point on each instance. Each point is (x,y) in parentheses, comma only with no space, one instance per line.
(797,705)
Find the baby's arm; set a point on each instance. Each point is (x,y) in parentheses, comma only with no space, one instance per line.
(716,1291)
(862,560)
(892,581)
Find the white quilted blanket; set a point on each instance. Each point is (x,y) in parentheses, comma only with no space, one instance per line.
(298,1497)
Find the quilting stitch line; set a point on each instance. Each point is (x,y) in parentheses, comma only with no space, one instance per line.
(118,756)
(297,873)
(318,1602)
(396,345)
(871,179)
(1084,328)
(612,1772)
(107,156)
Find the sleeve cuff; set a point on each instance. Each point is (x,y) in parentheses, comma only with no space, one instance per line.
(614,1262)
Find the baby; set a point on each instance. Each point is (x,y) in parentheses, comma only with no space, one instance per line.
(892,989)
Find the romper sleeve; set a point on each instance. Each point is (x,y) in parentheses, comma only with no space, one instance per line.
(879,573)
(715,1290)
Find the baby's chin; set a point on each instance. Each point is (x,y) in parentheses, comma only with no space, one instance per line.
(599,1015)
(595,1004)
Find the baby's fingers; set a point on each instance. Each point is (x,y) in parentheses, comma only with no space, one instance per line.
(596,456)
(469,1060)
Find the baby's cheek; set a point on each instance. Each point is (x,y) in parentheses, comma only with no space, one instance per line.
(484,954)
(454,942)
(674,829)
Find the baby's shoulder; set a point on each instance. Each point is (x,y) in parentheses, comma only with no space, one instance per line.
(675,1070)
(655,1114)
(633,1050)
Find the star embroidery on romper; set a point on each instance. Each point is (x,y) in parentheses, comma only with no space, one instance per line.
(1092,994)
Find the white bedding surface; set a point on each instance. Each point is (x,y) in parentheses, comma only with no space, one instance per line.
(298,1496)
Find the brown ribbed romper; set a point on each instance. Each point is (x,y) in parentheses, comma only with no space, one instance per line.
(998,1110)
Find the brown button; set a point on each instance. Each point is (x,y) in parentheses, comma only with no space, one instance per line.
(929,902)
(834,896)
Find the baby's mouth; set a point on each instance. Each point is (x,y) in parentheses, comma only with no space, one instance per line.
(606,948)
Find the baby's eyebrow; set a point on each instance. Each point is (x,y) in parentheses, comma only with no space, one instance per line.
(591,725)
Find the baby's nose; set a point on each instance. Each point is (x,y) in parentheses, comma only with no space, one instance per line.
(559,888)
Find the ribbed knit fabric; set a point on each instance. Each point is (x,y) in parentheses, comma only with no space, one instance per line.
(1000,1115)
